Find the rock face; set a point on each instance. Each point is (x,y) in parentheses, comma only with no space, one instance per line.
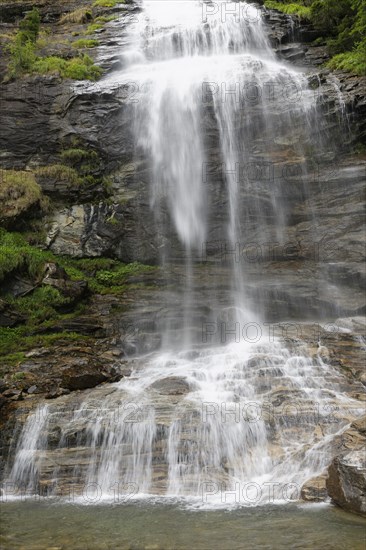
(314,490)
(320,270)
(346,482)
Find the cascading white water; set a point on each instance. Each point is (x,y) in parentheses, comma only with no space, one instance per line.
(185,56)
(190,55)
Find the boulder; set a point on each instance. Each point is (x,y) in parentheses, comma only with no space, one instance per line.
(314,489)
(73,380)
(346,483)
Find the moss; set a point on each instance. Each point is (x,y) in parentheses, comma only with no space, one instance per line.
(10,360)
(12,339)
(17,254)
(19,376)
(41,305)
(105,18)
(112,220)
(85,43)
(19,191)
(75,155)
(44,308)
(77,68)
(59,172)
(107,3)
(93,28)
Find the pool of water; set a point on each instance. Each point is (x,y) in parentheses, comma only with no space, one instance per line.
(161,526)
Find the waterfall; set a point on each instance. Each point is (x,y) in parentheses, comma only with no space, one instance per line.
(209,419)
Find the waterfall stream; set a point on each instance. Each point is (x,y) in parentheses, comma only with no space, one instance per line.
(238,420)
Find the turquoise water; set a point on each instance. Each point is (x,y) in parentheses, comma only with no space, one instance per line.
(158,526)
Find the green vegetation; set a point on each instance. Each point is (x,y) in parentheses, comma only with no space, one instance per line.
(76,154)
(40,305)
(93,27)
(107,3)
(78,16)
(80,168)
(85,43)
(354,61)
(24,58)
(17,338)
(19,191)
(29,27)
(60,173)
(77,68)
(291,9)
(17,255)
(342,24)
(22,49)
(44,307)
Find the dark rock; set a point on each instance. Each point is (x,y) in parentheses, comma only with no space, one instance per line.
(3,385)
(11,392)
(346,483)
(56,392)
(72,380)
(8,316)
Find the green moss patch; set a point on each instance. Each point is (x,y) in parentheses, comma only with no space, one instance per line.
(19,191)
(85,43)
(42,309)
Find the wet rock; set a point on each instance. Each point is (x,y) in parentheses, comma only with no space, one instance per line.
(74,380)
(11,392)
(171,386)
(314,490)
(57,392)
(346,483)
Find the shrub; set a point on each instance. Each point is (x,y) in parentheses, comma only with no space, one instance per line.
(85,43)
(354,61)
(342,25)
(29,27)
(77,68)
(290,9)
(22,56)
